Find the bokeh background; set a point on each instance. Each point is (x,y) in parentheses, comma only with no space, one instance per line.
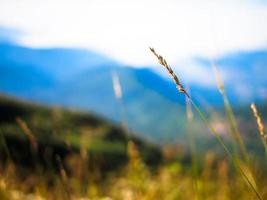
(64,52)
(80,73)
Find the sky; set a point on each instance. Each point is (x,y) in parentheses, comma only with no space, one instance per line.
(124,29)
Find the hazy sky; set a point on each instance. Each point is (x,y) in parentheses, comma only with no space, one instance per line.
(125,29)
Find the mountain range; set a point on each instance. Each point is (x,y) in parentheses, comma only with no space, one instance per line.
(151,105)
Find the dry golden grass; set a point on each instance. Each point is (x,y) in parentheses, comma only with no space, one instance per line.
(259,121)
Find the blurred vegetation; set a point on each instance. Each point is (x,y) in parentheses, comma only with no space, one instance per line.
(61,132)
(55,153)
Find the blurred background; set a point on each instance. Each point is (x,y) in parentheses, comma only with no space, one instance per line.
(64,52)
(81,72)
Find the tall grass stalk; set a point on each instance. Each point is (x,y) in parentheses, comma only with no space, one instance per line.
(235,133)
(27,131)
(234,130)
(181,89)
(119,97)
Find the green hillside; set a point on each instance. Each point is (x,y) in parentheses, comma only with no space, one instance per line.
(29,131)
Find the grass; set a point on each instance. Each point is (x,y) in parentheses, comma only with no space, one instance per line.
(232,121)
(54,153)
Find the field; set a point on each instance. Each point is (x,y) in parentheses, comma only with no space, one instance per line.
(58,153)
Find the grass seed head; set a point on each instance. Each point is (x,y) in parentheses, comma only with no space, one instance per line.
(218,78)
(164,63)
(27,131)
(116,85)
(259,121)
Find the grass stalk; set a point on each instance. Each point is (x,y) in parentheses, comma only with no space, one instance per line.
(235,133)
(234,130)
(27,131)
(119,97)
(181,89)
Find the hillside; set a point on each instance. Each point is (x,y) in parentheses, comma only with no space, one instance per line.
(63,133)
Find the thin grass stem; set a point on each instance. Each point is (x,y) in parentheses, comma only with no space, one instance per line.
(220,140)
(191,139)
(235,133)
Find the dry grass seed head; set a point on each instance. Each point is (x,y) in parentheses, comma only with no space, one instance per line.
(164,63)
(116,85)
(27,131)
(218,78)
(259,121)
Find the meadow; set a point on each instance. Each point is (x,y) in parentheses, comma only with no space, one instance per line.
(57,153)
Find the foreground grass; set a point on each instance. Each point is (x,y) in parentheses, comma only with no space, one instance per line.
(89,159)
(172,180)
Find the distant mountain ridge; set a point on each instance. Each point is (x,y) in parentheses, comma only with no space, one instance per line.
(55,61)
(82,79)
(244,75)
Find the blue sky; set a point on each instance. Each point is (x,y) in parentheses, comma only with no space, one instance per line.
(125,29)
